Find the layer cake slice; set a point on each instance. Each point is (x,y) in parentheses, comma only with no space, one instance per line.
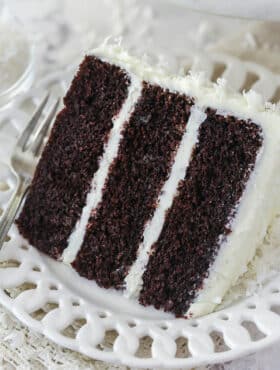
(159,186)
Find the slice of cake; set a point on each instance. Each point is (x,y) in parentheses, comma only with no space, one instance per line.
(159,186)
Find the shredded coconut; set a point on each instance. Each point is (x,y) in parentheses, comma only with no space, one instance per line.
(264,266)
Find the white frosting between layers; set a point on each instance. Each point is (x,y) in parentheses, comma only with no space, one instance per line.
(94,197)
(153,229)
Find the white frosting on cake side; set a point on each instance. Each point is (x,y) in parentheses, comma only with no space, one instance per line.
(153,228)
(254,213)
(94,197)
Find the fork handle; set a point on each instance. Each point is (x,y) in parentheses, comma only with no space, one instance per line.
(10,213)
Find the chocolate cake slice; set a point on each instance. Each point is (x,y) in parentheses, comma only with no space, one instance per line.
(159,186)
(63,177)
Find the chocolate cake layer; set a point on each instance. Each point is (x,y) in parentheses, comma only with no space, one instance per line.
(70,159)
(144,160)
(200,217)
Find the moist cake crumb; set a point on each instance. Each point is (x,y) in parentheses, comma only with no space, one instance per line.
(145,156)
(200,217)
(63,176)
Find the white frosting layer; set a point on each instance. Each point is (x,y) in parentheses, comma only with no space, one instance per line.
(255,212)
(259,202)
(94,197)
(153,228)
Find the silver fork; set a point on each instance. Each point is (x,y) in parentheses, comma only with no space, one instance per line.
(23,161)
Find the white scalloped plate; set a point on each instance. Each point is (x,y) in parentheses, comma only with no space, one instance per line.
(52,299)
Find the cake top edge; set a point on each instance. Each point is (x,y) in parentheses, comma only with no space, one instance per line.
(248,105)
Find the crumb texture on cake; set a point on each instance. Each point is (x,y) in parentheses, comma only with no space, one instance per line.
(145,156)
(63,176)
(153,184)
(200,217)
